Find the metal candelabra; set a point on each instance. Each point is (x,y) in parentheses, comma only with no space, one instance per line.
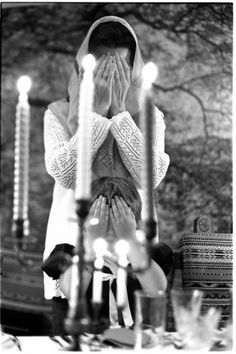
(20,228)
(77,321)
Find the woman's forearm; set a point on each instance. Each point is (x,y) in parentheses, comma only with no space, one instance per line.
(61,148)
(130,144)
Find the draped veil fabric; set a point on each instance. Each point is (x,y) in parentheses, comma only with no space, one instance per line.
(66,111)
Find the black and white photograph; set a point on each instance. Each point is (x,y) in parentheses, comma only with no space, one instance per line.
(117,176)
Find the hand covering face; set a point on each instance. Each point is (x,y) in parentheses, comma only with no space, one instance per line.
(67,111)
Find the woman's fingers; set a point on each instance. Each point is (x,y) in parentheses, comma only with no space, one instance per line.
(99,73)
(126,68)
(117,75)
(111,76)
(116,88)
(107,68)
(132,214)
(99,63)
(120,68)
(107,63)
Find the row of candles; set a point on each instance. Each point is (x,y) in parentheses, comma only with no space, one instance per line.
(84,175)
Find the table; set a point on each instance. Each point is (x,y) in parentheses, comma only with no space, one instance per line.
(32,344)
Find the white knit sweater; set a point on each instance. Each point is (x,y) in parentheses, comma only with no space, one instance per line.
(61,148)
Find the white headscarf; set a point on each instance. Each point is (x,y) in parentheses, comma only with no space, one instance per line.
(67,112)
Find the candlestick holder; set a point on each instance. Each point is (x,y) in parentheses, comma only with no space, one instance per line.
(95,342)
(77,320)
(20,230)
(150,232)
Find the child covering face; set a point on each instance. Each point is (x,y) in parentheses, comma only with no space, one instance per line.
(114,213)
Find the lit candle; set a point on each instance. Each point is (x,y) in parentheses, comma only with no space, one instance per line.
(83,177)
(149,74)
(122,250)
(75,281)
(99,246)
(22,136)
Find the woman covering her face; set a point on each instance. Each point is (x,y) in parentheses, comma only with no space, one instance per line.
(116,139)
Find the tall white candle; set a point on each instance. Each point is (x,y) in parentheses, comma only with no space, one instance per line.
(22,136)
(75,282)
(83,177)
(97,280)
(99,246)
(122,250)
(149,74)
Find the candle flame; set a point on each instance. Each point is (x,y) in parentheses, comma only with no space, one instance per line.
(75,259)
(100,246)
(98,263)
(149,74)
(24,84)
(122,248)
(89,62)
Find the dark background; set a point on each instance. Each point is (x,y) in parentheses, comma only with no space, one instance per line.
(192,45)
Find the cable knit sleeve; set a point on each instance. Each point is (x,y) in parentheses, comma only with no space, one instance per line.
(130,144)
(61,148)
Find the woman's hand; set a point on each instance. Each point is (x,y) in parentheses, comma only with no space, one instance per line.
(103,76)
(122,219)
(120,85)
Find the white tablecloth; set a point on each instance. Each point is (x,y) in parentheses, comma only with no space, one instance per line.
(47,345)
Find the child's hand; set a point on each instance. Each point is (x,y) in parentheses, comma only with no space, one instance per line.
(123,220)
(103,76)
(98,220)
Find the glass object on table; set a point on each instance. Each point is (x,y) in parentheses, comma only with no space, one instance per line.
(194,330)
(9,342)
(150,313)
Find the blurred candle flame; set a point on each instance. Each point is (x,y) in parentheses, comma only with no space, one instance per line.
(149,74)
(122,250)
(100,247)
(24,84)
(21,167)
